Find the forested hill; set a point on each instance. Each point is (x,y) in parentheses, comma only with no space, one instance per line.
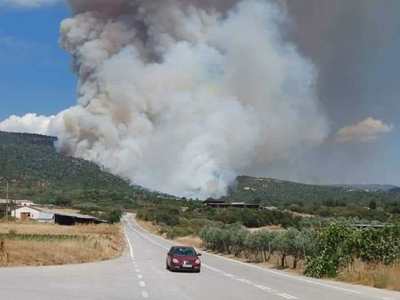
(37,172)
(277,192)
(395,190)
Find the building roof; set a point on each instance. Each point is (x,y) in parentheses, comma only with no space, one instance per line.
(4,201)
(67,214)
(45,216)
(213,201)
(24,201)
(27,207)
(60,213)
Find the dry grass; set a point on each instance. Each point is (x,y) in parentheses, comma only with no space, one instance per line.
(96,242)
(270,228)
(191,241)
(376,275)
(149,226)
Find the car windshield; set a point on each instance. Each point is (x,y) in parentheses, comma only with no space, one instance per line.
(184,252)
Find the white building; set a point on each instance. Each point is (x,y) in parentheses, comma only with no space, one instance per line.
(27,212)
(18,202)
(24,202)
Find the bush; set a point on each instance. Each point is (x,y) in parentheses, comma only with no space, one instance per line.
(341,244)
(114,216)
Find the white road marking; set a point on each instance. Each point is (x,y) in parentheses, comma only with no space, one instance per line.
(287,296)
(137,271)
(212,268)
(142,283)
(245,281)
(130,245)
(140,276)
(145,295)
(263,287)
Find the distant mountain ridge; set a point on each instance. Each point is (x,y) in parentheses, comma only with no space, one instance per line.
(270,191)
(369,187)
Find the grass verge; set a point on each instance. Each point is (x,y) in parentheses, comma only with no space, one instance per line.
(376,275)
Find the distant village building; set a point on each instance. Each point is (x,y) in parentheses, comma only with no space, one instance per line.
(24,202)
(17,202)
(270,208)
(222,204)
(53,216)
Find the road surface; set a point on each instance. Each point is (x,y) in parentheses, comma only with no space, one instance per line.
(140,274)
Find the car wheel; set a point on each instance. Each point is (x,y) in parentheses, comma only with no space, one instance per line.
(198,271)
(168,267)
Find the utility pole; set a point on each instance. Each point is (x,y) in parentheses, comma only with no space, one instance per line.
(7,201)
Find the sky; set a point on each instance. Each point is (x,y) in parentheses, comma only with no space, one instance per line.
(354,45)
(34,71)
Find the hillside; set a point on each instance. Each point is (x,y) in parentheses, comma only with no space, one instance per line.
(365,187)
(277,192)
(37,172)
(395,190)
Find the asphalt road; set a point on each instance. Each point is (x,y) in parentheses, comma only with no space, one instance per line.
(141,274)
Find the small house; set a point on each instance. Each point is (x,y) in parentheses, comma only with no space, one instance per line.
(27,212)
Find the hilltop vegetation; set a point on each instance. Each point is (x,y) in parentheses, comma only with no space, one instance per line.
(37,172)
(395,190)
(278,192)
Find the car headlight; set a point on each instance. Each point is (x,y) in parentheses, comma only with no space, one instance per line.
(197,262)
(175,261)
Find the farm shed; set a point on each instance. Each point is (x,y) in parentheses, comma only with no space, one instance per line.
(53,216)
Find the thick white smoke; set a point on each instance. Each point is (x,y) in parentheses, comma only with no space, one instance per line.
(180,97)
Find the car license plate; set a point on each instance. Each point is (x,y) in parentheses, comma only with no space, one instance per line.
(186,265)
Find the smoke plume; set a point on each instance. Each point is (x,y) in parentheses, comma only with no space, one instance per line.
(180,96)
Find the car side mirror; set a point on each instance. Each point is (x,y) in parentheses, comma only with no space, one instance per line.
(198,254)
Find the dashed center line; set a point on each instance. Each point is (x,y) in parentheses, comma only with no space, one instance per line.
(263,288)
(287,296)
(145,294)
(142,283)
(246,281)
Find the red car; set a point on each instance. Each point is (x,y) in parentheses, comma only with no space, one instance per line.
(183,259)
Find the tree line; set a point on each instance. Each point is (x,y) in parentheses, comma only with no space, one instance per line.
(325,251)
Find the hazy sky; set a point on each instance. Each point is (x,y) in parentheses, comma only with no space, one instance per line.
(355,46)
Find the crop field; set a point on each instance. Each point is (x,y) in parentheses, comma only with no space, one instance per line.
(32,244)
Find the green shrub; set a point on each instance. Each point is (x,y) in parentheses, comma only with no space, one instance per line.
(114,216)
